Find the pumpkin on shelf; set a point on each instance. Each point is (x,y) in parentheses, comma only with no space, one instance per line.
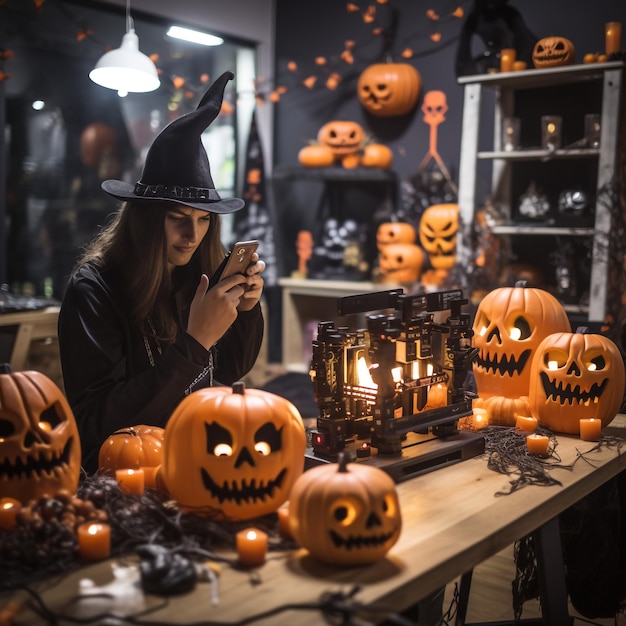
(131,448)
(438,229)
(553,52)
(400,263)
(575,376)
(389,89)
(509,325)
(39,442)
(345,513)
(232,452)
(345,142)
(394,232)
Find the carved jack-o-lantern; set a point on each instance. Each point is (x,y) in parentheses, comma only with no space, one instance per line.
(346,513)
(400,262)
(342,137)
(575,376)
(509,324)
(389,89)
(553,52)
(39,443)
(438,229)
(394,232)
(233,451)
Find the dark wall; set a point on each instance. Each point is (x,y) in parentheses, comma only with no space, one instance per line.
(306,30)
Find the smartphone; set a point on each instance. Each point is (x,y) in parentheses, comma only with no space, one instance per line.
(236,261)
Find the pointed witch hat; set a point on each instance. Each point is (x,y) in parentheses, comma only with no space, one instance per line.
(177,167)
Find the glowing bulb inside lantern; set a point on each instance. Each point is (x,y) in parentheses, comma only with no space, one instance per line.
(515,334)
(552,365)
(592,367)
(483,331)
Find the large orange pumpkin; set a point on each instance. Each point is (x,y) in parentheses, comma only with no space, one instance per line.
(345,513)
(400,263)
(39,445)
(232,452)
(131,448)
(389,89)
(575,376)
(509,324)
(341,137)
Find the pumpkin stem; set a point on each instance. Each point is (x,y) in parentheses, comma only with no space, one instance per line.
(239,387)
(582,330)
(520,283)
(5,368)
(343,459)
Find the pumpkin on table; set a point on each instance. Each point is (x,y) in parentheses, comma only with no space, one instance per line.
(39,444)
(389,89)
(553,52)
(575,376)
(232,452)
(345,513)
(509,325)
(131,448)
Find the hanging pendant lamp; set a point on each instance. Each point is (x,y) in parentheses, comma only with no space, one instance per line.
(126,69)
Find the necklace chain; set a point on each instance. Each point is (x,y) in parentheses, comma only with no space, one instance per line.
(208,368)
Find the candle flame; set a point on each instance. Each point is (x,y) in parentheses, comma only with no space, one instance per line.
(251,535)
(363,375)
(8,505)
(94,529)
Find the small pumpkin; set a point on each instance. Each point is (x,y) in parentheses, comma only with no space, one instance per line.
(509,325)
(389,89)
(377,155)
(575,376)
(39,442)
(232,452)
(316,156)
(400,263)
(345,513)
(438,229)
(131,448)
(394,232)
(553,52)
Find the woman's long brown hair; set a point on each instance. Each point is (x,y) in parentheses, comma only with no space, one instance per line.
(133,244)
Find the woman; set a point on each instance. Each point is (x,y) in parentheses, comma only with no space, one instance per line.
(139,328)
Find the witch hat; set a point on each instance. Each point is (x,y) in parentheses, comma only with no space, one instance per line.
(177,167)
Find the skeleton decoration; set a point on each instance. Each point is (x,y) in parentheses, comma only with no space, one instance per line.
(435,107)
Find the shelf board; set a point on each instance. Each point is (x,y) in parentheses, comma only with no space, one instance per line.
(528,229)
(336,173)
(551,76)
(539,154)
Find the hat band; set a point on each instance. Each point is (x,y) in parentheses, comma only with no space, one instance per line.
(199,194)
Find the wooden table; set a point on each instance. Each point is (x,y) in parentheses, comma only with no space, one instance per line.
(452,521)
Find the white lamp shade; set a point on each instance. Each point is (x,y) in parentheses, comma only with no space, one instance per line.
(126,69)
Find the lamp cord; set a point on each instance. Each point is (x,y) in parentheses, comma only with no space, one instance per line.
(129,19)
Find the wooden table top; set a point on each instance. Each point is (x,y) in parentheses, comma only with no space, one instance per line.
(452,520)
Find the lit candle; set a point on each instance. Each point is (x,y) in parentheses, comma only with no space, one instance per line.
(480,419)
(283,522)
(150,477)
(94,541)
(251,547)
(507,58)
(9,508)
(364,450)
(525,423)
(613,37)
(537,444)
(590,429)
(131,481)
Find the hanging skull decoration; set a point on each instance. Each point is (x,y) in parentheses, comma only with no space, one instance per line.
(435,107)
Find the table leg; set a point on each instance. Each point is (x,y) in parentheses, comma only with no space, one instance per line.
(551,574)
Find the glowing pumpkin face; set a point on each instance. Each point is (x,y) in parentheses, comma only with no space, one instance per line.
(400,263)
(509,324)
(394,232)
(575,376)
(346,513)
(553,52)
(341,137)
(438,229)
(389,89)
(233,451)
(39,443)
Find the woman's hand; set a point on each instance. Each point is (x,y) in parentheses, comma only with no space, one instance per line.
(212,312)
(254,284)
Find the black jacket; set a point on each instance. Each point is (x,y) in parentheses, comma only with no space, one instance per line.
(108,378)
